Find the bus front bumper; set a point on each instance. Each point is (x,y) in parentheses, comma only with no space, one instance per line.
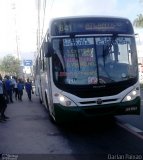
(63,113)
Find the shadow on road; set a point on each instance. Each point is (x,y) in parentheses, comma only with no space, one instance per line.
(96,125)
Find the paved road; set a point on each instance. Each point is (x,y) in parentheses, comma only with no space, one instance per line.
(30,132)
(134,122)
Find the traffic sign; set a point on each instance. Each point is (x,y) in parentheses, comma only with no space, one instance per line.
(27,62)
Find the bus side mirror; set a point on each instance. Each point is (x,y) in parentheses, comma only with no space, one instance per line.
(48,49)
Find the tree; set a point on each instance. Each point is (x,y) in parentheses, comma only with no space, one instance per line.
(138,22)
(10,65)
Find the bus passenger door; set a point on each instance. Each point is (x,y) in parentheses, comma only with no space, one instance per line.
(49,85)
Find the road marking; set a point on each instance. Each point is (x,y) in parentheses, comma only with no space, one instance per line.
(133,128)
(137,132)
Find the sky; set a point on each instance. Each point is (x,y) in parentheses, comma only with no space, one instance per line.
(18,20)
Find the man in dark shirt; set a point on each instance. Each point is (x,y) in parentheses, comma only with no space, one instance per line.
(28,88)
(9,88)
(3,104)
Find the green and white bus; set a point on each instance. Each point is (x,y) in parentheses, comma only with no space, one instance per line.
(87,67)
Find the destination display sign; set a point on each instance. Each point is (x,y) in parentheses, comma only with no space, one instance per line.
(91,26)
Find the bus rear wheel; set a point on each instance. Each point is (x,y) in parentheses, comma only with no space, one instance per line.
(40,98)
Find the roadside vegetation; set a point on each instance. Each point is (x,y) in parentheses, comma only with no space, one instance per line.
(9,65)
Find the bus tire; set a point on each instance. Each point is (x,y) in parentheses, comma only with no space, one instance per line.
(39,98)
(49,112)
(47,106)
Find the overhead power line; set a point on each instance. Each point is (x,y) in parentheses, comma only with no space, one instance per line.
(41,22)
(38,29)
(44,8)
(52,5)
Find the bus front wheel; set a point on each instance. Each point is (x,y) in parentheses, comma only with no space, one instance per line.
(49,111)
(39,97)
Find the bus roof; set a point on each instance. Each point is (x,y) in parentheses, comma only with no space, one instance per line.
(88,16)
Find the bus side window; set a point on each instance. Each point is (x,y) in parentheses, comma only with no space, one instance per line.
(40,60)
(58,68)
(45,63)
(42,57)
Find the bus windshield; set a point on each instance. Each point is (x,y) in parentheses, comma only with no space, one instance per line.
(94,60)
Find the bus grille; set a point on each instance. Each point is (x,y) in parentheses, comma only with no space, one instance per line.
(106,100)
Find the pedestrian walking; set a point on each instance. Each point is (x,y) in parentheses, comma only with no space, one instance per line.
(15,88)
(28,88)
(20,89)
(9,89)
(12,83)
(3,103)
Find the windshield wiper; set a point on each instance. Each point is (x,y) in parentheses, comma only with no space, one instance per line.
(72,36)
(106,51)
(108,47)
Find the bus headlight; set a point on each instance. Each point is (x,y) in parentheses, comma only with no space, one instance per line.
(63,100)
(132,95)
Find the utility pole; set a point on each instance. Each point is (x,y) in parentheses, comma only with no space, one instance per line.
(38,28)
(13,4)
(16,33)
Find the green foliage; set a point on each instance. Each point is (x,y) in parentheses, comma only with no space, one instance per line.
(10,65)
(138,22)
